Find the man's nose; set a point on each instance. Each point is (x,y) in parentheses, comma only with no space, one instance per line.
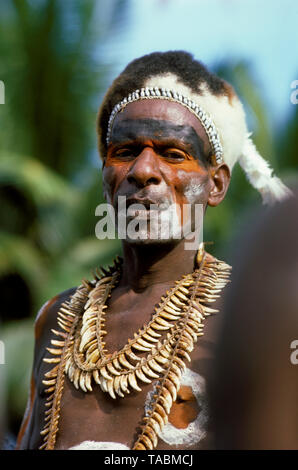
(145,169)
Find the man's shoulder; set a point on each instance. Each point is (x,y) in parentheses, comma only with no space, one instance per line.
(46,318)
(45,321)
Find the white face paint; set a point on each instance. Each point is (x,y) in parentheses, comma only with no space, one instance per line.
(93,445)
(197,429)
(162,222)
(193,191)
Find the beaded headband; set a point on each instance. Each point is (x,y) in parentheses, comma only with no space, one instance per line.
(171,95)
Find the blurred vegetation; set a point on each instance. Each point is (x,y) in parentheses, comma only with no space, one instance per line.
(49,179)
(278,145)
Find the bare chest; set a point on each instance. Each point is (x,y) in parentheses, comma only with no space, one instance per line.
(96,417)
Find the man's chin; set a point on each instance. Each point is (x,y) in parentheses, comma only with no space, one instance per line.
(150,241)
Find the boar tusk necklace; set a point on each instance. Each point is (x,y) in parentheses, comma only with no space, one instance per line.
(167,339)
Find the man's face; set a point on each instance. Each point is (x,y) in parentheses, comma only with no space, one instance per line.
(157,155)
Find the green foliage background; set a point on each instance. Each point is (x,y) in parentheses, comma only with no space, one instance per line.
(50,182)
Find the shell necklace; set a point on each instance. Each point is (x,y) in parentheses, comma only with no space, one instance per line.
(167,339)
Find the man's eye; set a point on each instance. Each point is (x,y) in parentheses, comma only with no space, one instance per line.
(124,153)
(175,155)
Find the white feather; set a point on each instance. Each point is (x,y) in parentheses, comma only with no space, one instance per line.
(228,116)
(259,174)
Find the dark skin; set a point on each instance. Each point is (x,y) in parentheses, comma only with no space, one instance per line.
(157,148)
(253,360)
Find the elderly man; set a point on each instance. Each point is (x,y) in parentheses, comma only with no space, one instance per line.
(120,362)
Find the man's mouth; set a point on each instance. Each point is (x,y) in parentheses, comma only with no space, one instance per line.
(141,201)
(142,207)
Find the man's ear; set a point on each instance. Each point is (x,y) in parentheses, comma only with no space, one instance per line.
(220,179)
(102,178)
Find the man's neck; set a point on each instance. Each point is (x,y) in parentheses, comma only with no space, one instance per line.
(145,265)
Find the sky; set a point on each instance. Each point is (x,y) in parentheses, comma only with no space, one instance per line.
(262,32)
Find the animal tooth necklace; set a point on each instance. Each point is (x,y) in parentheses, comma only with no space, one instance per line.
(167,339)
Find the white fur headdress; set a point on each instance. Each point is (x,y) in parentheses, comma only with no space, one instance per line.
(228,115)
(223,119)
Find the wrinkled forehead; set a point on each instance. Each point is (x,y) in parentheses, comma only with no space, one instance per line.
(176,120)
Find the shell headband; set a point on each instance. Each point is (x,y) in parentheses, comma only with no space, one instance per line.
(223,118)
(171,95)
